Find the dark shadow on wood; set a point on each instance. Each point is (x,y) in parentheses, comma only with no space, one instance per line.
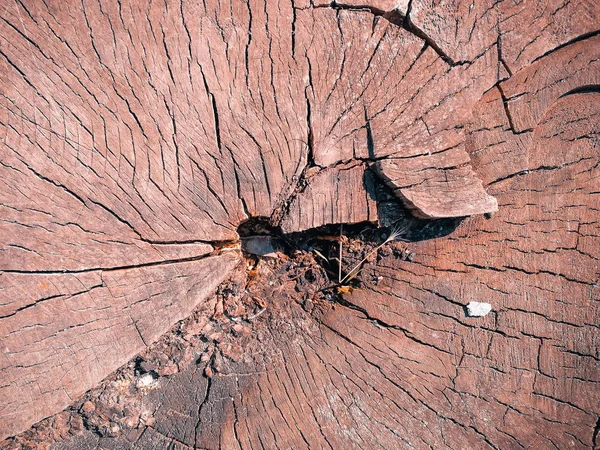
(392,213)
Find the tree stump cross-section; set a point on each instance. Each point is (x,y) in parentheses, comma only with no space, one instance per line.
(138,139)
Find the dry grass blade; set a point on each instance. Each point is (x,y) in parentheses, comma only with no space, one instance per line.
(340,259)
(320,255)
(396,232)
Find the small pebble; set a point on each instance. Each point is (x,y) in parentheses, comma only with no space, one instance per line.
(477,309)
(146,381)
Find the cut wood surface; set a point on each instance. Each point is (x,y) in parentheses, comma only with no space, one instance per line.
(136,137)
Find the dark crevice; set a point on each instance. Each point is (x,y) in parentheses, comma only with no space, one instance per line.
(392,211)
(411,27)
(397,18)
(216,115)
(533,170)
(500,55)
(343,302)
(238,184)
(370,140)
(113,269)
(595,443)
(294,17)
(41,300)
(214,108)
(301,183)
(583,37)
(259,237)
(394,17)
(258,226)
(507,112)
(201,407)
(587,89)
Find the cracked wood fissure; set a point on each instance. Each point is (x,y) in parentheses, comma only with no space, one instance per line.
(135,137)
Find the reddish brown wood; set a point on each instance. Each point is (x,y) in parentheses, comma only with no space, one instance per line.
(136,137)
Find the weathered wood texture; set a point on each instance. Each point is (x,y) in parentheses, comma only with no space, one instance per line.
(64,333)
(136,137)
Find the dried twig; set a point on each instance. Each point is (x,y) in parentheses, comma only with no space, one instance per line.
(254,316)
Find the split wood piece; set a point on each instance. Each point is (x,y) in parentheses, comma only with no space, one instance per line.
(444,182)
(61,334)
(395,112)
(339,194)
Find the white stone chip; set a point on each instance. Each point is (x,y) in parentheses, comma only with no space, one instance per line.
(146,381)
(477,309)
